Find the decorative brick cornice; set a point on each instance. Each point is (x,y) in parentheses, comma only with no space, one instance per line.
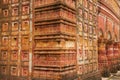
(107,9)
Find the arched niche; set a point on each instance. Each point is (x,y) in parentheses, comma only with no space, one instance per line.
(109,36)
(100,34)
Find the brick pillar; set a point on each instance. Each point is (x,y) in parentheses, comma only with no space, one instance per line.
(116,54)
(111,56)
(119,56)
(102,58)
(109,49)
(54,53)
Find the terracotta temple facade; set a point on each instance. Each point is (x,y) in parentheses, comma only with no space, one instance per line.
(59,39)
(108,36)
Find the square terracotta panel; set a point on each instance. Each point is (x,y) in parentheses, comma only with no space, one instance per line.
(5,40)
(24,71)
(14,70)
(15,26)
(25,9)
(5,12)
(4,70)
(4,55)
(5,27)
(25,25)
(15,11)
(14,41)
(25,41)
(14,55)
(24,55)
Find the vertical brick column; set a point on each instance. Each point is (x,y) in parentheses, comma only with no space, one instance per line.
(102,58)
(116,55)
(54,55)
(119,56)
(111,56)
(109,49)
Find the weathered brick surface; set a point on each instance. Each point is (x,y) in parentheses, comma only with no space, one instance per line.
(108,21)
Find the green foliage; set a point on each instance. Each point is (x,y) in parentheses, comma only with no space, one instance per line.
(113,69)
(105,72)
(118,67)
